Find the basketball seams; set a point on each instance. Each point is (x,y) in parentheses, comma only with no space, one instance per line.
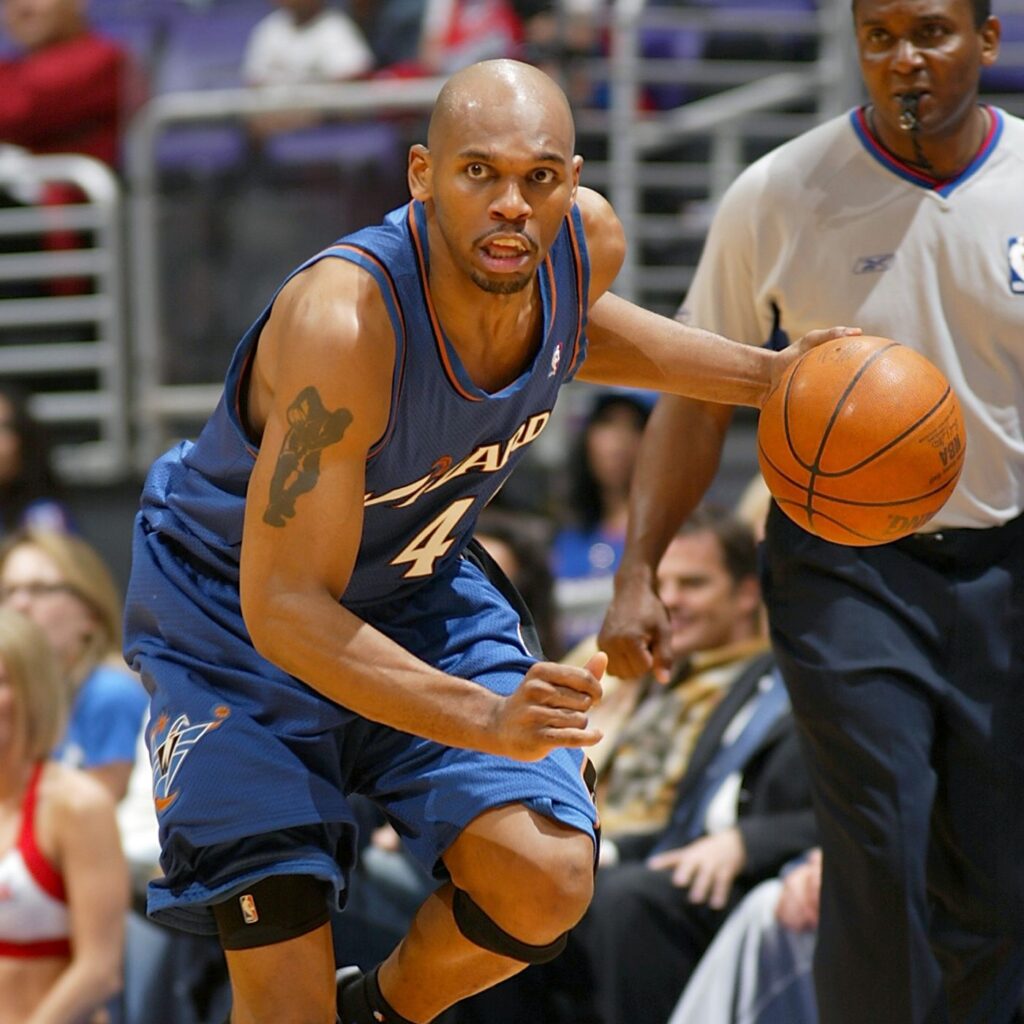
(889,445)
(830,406)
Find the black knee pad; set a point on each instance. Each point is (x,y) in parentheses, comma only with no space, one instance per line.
(272,910)
(476,926)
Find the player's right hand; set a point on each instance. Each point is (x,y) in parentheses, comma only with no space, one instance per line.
(635,633)
(549,709)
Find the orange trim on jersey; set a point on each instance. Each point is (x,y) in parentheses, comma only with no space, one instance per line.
(580,311)
(442,349)
(40,868)
(249,357)
(553,291)
(399,372)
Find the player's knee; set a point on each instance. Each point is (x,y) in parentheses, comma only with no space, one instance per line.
(567,886)
(543,893)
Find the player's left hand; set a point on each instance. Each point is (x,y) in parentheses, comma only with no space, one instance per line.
(812,339)
(708,866)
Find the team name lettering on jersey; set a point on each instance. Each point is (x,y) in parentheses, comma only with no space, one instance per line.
(485,458)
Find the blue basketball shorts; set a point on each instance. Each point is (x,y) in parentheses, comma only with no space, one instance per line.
(252,768)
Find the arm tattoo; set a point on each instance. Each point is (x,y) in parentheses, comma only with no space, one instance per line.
(311,428)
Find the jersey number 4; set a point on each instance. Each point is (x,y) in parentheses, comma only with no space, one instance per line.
(432,541)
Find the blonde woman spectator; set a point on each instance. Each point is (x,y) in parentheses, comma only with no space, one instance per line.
(60,582)
(62,875)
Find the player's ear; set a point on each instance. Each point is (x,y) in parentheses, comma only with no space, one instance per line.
(577,167)
(990,33)
(419,172)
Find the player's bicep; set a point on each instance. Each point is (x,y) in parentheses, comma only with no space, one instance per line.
(329,404)
(304,505)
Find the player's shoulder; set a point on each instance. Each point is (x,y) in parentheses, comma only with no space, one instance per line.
(606,239)
(332,296)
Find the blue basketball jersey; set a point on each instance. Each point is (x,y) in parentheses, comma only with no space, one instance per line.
(448,445)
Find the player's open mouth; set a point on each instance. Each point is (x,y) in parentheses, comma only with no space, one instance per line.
(506,252)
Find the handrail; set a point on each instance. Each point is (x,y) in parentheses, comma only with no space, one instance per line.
(106,351)
(631,139)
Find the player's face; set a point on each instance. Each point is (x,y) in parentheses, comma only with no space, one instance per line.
(500,183)
(930,49)
(706,607)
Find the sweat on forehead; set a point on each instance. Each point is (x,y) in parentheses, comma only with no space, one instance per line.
(497,84)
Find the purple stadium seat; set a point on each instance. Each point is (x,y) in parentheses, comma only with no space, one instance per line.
(203,49)
(350,145)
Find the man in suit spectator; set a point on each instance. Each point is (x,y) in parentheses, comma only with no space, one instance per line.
(702,794)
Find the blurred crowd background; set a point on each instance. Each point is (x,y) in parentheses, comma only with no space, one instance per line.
(165,163)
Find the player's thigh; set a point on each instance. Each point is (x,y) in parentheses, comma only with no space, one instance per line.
(290,982)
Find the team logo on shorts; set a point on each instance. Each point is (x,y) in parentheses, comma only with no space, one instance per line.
(178,739)
(1016,255)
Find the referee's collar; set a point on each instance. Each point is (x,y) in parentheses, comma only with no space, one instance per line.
(943,186)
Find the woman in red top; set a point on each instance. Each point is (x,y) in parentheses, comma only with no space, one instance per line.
(63,879)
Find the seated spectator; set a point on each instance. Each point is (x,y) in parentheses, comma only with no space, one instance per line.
(60,582)
(701,795)
(588,546)
(69,90)
(302,42)
(30,495)
(457,33)
(758,969)
(305,41)
(62,875)
(393,29)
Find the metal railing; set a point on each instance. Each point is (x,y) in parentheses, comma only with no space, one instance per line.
(160,403)
(734,108)
(67,336)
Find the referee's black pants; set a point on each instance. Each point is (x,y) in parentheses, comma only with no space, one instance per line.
(905,666)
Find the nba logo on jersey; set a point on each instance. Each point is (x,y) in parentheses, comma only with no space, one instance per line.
(556,358)
(1016,253)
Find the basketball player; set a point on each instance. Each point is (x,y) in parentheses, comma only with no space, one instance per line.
(904,662)
(306,612)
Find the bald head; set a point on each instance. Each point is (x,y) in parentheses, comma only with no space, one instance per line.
(521,92)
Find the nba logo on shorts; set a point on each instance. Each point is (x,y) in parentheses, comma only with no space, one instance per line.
(1016,254)
(250,915)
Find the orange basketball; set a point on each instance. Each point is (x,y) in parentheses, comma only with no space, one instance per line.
(862,441)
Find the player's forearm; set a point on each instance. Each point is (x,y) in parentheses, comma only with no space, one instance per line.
(339,655)
(637,348)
